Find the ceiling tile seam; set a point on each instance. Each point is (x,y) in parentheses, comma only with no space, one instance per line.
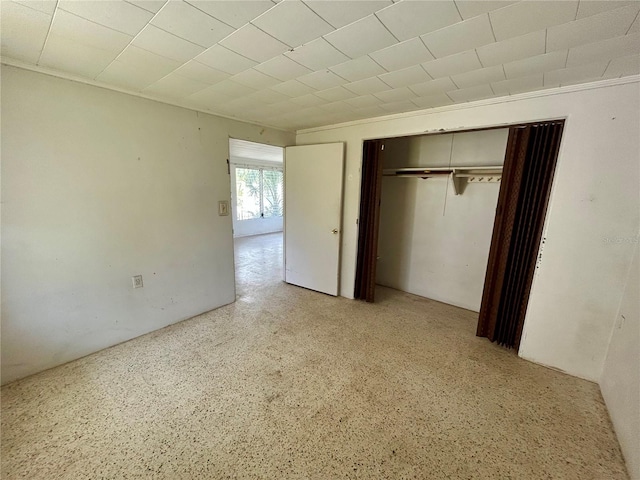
(374,61)
(495,39)
(454,82)
(566,58)
(26,5)
(133,4)
(421,65)
(133,39)
(177,36)
(46,38)
(478,57)
(504,71)
(319,16)
(100,24)
(327,21)
(546,36)
(385,27)
(575,17)
(459,14)
(208,15)
(634,21)
(605,68)
(425,46)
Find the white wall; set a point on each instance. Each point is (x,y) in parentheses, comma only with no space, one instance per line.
(98,186)
(253,226)
(620,381)
(432,242)
(578,285)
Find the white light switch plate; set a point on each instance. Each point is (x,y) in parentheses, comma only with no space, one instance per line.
(223,208)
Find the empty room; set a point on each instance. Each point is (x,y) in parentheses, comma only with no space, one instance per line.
(374,239)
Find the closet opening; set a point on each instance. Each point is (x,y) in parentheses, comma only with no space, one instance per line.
(457,217)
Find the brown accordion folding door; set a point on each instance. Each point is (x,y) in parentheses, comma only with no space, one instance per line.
(369,221)
(530,160)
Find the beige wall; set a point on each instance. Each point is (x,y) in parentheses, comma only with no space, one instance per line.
(580,279)
(620,381)
(98,186)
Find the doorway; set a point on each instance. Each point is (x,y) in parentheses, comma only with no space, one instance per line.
(525,174)
(257,207)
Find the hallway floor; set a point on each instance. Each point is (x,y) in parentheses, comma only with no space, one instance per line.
(290,383)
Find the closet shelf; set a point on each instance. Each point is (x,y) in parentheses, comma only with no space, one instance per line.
(472,174)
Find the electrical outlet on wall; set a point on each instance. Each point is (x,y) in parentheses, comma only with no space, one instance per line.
(137,281)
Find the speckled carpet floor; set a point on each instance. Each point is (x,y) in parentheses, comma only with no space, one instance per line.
(291,384)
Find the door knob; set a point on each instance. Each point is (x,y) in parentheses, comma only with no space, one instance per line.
(334,231)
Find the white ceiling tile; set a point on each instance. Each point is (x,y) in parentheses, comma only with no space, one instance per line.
(152,6)
(366,86)
(339,13)
(453,64)
(44,6)
(395,95)
(515,48)
(537,64)
(267,97)
(121,16)
(370,112)
(176,86)
(166,44)
(354,70)
(221,93)
(594,7)
(433,87)
(604,50)
(432,101)
(201,73)
(255,79)
(460,37)
(612,23)
(336,107)
(309,100)
(473,8)
(580,74)
(335,94)
(189,23)
(88,33)
(253,43)
(282,68)
(317,54)
(530,16)
(402,55)
(359,38)
(70,56)
(406,76)
(409,19)
(225,60)
(518,85)
(623,66)
(293,88)
(482,76)
(234,13)
(471,94)
(363,101)
(293,23)
(321,80)
(399,107)
(136,68)
(126,76)
(14,21)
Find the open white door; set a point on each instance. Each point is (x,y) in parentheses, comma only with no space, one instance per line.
(313,215)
